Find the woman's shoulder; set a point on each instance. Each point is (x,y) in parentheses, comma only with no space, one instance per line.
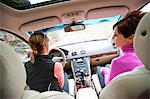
(119,60)
(58,65)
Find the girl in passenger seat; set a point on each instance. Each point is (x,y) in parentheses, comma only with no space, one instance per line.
(123,35)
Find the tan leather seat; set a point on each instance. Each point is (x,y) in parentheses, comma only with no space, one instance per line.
(13,78)
(134,84)
(13,75)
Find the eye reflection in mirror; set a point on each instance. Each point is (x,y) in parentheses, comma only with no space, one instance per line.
(74,27)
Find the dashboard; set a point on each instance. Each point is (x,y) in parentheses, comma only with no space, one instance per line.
(98,52)
(89,48)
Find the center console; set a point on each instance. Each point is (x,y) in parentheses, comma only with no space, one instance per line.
(81,72)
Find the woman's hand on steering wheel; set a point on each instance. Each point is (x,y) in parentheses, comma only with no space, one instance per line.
(61,59)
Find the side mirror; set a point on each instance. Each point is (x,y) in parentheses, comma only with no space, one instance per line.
(74,27)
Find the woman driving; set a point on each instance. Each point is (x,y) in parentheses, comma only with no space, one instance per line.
(42,72)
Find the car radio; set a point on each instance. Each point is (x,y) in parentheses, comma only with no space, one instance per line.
(81,71)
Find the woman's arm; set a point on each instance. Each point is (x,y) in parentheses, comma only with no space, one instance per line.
(59,73)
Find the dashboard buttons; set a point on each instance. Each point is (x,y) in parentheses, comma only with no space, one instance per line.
(74,53)
(82,52)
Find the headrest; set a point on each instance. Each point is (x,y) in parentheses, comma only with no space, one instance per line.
(142,40)
(13,76)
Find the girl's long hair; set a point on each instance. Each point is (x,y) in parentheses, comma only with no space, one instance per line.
(37,42)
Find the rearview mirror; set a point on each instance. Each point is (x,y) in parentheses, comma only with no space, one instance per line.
(74,27)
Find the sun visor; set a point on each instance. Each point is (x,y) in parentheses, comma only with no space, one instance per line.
(106,12)
(40,24)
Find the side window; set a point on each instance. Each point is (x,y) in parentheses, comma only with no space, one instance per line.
(20,46)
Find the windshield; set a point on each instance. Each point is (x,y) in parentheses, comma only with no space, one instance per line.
(95,29)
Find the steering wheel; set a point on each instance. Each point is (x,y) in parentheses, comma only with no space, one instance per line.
(63,57)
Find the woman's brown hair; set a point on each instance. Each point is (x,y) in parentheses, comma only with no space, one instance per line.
(128,24)
(37,42)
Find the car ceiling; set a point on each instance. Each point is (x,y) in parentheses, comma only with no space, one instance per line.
(20,21)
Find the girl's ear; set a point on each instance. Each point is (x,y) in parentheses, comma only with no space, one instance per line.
(130,38)
(45,48)
(46,45)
